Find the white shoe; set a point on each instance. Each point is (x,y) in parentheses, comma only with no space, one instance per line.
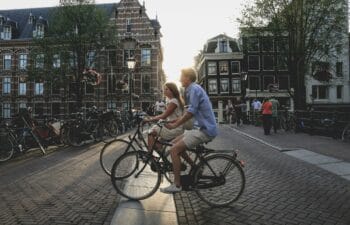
(171,189)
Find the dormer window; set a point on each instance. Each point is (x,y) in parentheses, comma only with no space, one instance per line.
(31,19)
(39,31)
(6,34)
(2,20)
(128,25)
(223,46)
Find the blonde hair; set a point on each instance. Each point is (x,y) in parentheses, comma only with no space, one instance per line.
(190,73)
(173,88)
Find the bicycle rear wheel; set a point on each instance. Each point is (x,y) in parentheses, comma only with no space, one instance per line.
(219,180)
(111,152)
(132,176)
(6,148)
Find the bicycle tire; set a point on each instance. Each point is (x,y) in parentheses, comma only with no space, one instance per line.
(346,134)
(132,175)
(109,153)
(6,148)
(228,187)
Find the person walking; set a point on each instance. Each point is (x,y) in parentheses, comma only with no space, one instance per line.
(201,109)
(244,112)
(256,105)
(275,106)
(238,112)
(229,111)
(266,111)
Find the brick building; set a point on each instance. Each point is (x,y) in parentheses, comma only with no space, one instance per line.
(139,38)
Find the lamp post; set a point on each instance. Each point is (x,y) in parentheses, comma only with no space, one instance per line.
(131,66)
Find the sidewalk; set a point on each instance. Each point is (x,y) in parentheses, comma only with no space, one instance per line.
(324,152)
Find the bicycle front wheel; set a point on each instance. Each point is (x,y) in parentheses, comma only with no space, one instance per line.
(219,180)
(6,148)
(111,152)
(135,175)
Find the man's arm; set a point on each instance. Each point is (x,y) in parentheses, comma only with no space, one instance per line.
(180,121)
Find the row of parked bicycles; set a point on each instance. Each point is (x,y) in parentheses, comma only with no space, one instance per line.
(23,133)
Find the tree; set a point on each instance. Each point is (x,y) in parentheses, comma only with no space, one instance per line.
(314,29)
(73,46)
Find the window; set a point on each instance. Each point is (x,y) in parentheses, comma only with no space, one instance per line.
(7,34)
(254,62)
(223,46)
(23,59)
(112,58)
(213,87)
(89,89)
(39,31)
(224,86)
(212,68)
(282,62)
(282,45)
(7,61)
(112,82)
(320,92)
(6,110)
(268,62)
(90,59)
(22,88)
(223,67)
(39,61)
(56,61)
(254,83)
(22,105)
(235,67)
(283,82)
(253,44)
(339,69)
(267,81)
(6,85)
(112,105)
(128,25)
(236,85)
(339,92)
(128,53)
(39,88)
(267,44)
(55,88)
(73,61)
(39,110)
(145,57)
(146,83)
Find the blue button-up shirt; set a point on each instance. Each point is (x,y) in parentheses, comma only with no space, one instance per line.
(201,108)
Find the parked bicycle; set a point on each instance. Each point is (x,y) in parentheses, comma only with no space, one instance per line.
(217,178)
(18,139)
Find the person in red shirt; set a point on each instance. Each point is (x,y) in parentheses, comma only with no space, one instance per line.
(266,111)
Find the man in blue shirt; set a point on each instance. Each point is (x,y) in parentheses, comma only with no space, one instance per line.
(201,109)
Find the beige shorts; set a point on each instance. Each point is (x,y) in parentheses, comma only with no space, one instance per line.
(167,134)
(192,138)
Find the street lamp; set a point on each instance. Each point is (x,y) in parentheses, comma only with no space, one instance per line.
(131,66)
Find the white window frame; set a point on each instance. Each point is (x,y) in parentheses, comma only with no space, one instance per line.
(212,64)
(273,61)
(236,85)
(90,59)
(146,57)
(7,59)
(228,85)
(23,61)
(56,61)
(317,97)
(213,82)
(223,64)
(6,110)
(39,31)
(39,61)
(38,88)
(239,67)
(6,85)
(251,38)
(22,88)
(142,83)
(7,33)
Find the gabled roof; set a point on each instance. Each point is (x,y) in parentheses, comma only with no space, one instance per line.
(21,17)
(212,43)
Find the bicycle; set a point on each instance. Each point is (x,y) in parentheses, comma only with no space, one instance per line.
(346,133)
(19,140)
(217,177)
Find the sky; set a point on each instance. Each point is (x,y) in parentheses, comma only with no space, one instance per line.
(186,25)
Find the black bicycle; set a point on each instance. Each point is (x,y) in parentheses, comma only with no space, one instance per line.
(217,177)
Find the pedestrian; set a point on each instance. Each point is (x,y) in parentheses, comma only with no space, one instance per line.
(266,111)
(201,109)
(275,106)
(238,112)
(229,111)
(256,105)
(244,112)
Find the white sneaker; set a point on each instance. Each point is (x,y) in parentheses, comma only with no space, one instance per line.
(171,189)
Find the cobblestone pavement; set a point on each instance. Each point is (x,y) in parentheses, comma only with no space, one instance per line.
(280,189)
(67,186)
